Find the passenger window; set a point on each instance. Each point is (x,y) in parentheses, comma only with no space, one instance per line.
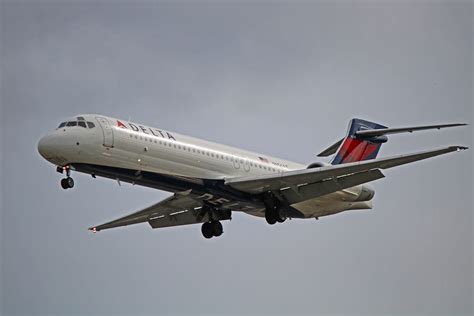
(90,125)
(82,124)
(62,124)
(71,123)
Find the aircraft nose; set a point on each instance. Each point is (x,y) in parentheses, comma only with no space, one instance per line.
(46,146)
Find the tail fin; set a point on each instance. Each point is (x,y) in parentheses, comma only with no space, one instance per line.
(356,147)
(364,139)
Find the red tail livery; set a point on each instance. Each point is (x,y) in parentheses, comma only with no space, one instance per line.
(356,147)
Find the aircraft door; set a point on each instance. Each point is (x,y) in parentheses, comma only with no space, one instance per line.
(107,131)
(236,163)
(246,165)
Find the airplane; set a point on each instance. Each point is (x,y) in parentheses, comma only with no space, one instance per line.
(210,181)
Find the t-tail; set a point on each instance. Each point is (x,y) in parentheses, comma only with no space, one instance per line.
(364,139)
(358,148)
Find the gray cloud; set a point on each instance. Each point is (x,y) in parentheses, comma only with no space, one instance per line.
(281,79)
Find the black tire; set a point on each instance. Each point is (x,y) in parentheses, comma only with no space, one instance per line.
(64,184)
(270,217)
(206,230)
(217,228)
(70,182)
(280,215)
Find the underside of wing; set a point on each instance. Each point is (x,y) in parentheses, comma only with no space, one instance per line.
(179,209)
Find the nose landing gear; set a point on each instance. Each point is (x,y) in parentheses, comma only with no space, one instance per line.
(68,182)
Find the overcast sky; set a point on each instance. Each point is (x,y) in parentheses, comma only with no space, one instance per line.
(281,79)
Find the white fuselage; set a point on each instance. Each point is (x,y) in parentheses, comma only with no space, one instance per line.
(122,144)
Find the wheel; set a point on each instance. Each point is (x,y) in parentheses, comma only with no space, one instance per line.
(280,215)
(217,229)
(270,217)
(70,182)
(206,230)
(64,184)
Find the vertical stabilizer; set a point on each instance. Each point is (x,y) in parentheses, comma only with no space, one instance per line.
(358,148)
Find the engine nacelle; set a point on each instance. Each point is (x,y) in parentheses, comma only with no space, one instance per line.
(318,164)
(367,193)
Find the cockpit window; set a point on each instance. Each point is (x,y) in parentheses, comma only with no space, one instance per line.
(81,122)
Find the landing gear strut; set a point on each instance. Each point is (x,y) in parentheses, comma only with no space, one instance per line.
(212,229)
(68,182)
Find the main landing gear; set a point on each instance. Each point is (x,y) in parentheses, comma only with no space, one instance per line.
(68,182)
(274,210)
(212,226)
(212,229)
(274,215)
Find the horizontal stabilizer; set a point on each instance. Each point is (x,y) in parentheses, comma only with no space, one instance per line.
(369,133)
(387,131)
(331,149)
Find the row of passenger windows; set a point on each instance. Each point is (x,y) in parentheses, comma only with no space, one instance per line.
(202,152)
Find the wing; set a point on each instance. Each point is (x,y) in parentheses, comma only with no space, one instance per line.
(180,209)
(304,184)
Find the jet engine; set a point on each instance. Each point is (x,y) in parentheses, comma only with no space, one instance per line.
(317,164)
